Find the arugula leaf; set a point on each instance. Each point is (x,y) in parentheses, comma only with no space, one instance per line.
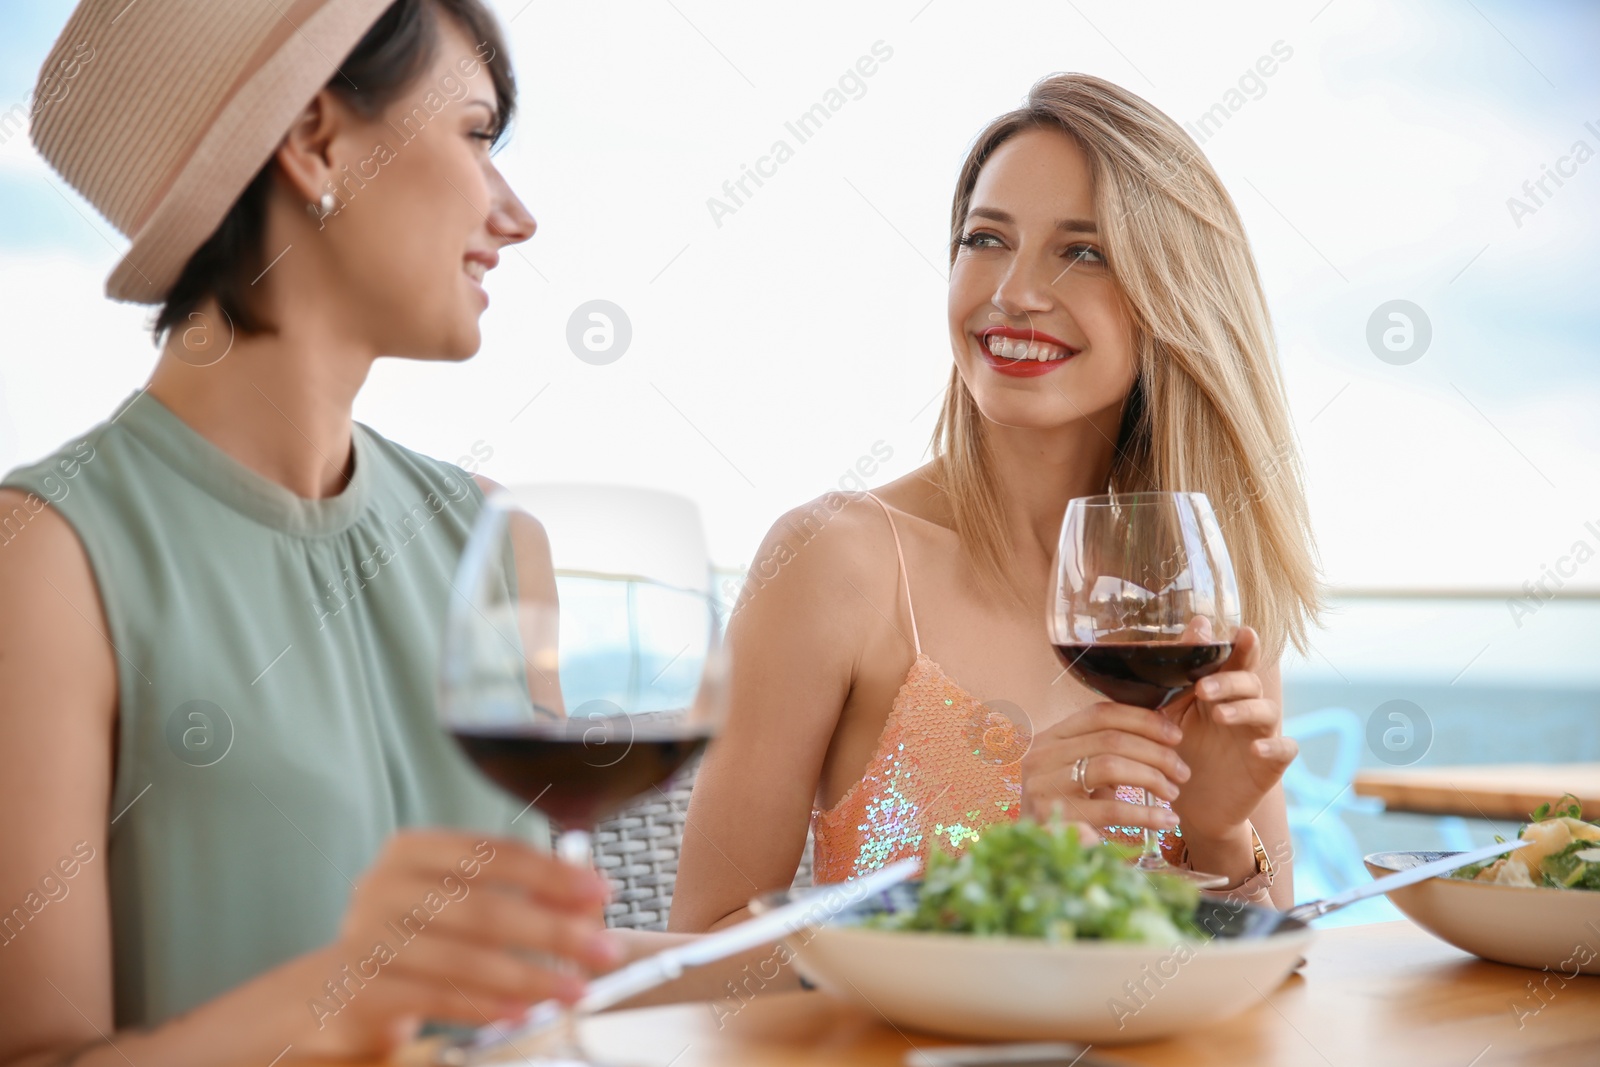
(1549,810)
(1025,880)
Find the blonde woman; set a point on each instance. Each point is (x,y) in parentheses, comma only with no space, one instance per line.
(892,688)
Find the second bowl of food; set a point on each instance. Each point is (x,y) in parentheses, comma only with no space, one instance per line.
(1537,907)
(1029,935)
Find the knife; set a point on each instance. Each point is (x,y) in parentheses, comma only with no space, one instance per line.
(1400,879)
(664,966)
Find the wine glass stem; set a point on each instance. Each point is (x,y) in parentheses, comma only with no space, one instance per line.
(574,846)
(1151,858)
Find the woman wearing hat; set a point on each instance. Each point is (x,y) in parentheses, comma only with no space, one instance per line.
(223,602)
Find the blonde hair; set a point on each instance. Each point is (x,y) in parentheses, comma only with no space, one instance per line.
(1207,412)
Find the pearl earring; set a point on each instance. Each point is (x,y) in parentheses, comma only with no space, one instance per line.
(322,210)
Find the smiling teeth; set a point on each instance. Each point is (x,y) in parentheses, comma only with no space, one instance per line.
(1011,348)
(475,271)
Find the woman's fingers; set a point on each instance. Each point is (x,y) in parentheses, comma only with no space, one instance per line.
(459,928)
(1107,715)
(548,879)
(1057,797)
(1260,714)
(1235,693)
(1115,744)
(1229,685)
(454,911)
(502,919)
(1244,657)
(1136,750)
(398,996)
(481,973)
(1109,758)
(1246,654)
(493,914)
(495,859)
(1106,770)
(1276,752)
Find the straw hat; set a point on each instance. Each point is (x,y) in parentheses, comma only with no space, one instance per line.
(160,112)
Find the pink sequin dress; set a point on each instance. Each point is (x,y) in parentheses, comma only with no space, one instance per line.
(945,767)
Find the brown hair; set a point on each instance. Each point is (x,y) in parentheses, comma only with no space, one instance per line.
(387,61)
(1207,412)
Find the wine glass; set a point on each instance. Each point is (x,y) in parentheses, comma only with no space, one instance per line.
(1145,604)
(582,664)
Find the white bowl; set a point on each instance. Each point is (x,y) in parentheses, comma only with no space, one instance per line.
(1104,992)
(1521,925)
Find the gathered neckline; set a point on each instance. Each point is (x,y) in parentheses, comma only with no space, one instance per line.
(196,459)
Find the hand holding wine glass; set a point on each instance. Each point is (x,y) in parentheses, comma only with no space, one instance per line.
(1145,603)
(450,964)
(1233,737)
(1072,769)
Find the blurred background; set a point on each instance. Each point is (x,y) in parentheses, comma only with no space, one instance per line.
(1418,181)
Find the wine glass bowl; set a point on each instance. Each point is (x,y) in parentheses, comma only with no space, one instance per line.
(582,663)
(1144,604)
(574,689)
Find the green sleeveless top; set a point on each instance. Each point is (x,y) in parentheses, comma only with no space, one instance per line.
(276,660)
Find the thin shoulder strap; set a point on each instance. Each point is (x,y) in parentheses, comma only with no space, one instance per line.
(901,555)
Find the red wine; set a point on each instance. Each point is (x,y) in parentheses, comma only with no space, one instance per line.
(1145,674)
(580,770)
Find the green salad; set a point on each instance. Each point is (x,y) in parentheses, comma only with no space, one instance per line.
(1026,880)
(1563,852)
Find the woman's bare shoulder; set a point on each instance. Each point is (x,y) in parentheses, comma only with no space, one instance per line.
(40,546)
(58,675)
(850,528)
(839,536)
(920,495)
(45,571)
(828,569)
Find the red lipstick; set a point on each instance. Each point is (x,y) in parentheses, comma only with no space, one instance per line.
(1022,368)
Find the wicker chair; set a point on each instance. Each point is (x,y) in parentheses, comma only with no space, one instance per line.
(638,851)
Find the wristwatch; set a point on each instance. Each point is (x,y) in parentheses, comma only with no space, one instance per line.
(1263,861)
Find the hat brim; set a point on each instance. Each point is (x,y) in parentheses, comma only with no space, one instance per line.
(245,133)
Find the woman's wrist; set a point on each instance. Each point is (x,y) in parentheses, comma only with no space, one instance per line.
(261,1016)
(1230,853)
(268,1012)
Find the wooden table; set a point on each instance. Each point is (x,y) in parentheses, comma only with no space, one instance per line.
(1484,791)
(1369,996)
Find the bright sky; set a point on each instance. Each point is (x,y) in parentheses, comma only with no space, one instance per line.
(775,346)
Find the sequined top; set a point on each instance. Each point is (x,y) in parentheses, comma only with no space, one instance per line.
(945,767)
